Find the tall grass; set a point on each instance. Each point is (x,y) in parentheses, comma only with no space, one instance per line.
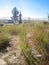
(26,50)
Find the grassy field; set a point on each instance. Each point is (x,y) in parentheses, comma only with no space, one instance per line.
(30,34)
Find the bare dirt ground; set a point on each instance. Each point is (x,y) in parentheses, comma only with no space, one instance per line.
(13,56)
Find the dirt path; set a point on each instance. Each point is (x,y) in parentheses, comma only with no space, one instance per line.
(13,56)
(15,47)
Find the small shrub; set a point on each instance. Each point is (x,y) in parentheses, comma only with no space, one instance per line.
(4,41)
(45,22)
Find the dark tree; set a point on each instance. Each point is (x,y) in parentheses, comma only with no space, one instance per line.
(15,13)
(20,18)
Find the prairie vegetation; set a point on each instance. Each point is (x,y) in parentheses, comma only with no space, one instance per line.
(31,34)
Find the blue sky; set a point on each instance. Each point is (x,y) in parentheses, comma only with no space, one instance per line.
(29,8)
